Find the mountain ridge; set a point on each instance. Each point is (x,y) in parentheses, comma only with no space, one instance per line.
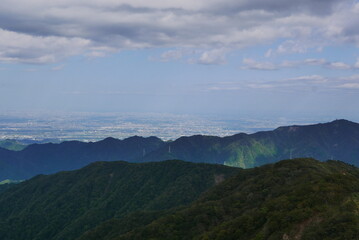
(250,150)
(338,139)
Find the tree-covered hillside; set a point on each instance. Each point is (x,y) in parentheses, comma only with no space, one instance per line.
(65,205)
(6,184)
(300,199)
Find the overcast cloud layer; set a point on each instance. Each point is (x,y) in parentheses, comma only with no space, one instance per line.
(39,31)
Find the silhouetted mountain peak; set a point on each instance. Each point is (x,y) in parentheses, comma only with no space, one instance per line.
(342,122)
(109,140)
(336,123)
(134,139)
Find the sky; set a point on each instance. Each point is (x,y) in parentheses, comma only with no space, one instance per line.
(273,58)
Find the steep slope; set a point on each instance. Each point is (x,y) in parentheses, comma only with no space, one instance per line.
(335,140)
(51,158)
(6,184)
(64,205)
(300,199)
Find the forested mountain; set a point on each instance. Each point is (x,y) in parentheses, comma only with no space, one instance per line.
(6,184)
(337,140)
(65,205)
(300,199)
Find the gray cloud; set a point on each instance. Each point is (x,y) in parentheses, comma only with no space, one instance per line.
(62,28)
(317,7)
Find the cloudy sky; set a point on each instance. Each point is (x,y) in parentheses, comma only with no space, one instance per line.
(268,57)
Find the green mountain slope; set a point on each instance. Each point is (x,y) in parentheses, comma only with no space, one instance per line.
(12,145)
(335,140)
(64,205)
(6,184)
(300,199)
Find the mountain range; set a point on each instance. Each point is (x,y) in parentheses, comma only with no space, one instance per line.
(334,140)
(53,157)
(300,199)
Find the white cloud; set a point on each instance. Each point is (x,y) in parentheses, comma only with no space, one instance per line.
(223,88)
(356,65)
(291,46)
(326,63)
(339,65)
(254,65)
(18,47)
(172,55)
(309,78)
(269,53)
(313,61)
(212,57)
(60,28)
(349,86)
(294,85)
(261,85)
(58,67)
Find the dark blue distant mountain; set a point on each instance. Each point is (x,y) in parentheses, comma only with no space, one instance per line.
(50,158)
(337,140)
